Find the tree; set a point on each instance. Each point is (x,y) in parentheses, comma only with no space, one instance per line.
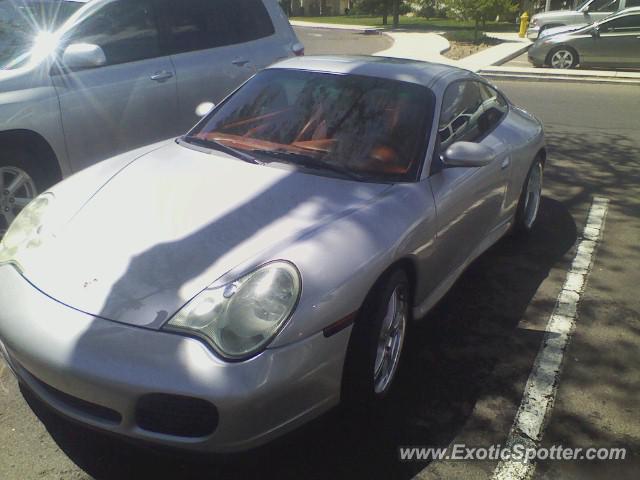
(384,8)
(479,10)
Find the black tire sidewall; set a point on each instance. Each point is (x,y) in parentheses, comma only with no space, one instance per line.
(358,382)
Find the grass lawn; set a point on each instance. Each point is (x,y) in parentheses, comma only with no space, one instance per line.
(412,23)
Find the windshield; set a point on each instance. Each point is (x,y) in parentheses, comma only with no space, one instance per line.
(355,125)
(26,27)
(582,4)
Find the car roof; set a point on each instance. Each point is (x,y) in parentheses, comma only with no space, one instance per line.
(413,71)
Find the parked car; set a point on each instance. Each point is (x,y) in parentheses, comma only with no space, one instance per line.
(216,291)
(613,42)
(586,13)
(118,74)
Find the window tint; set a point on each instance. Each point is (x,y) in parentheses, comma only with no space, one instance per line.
(630,23)
(203,24)
(461,110)
(632,3)
(20,24)
(495,107)
(604,6)
(126,31)
(369,126)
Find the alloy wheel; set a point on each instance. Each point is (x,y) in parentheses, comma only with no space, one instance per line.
(562,59)
(533,195)
(17,189)
(390,341)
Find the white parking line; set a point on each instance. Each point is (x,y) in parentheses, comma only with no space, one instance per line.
(540,391)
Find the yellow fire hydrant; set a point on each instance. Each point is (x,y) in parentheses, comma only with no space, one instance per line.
(524,24)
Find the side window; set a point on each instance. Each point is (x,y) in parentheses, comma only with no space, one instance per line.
(495,107)
(460,114)
(126,31)
(629,23)
(604,6)
(203,24)
(632,3)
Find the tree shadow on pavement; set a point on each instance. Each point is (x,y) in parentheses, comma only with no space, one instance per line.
(448,366)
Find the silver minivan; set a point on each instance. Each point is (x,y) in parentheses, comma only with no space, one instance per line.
(82,80)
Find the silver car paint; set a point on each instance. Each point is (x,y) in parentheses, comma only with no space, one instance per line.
(559,18)
(331,229)
(613,49)
(91,115)
(257,399)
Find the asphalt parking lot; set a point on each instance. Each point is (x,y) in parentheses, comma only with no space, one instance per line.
(319,41)
(467,363)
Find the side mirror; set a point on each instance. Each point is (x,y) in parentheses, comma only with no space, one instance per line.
(595,32)
(468,154)
(204,108)
(80,56)
(586,9)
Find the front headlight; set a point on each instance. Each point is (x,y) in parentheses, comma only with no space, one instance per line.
(242,318)
(27,230)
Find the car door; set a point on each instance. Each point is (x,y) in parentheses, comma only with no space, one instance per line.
(213,48)
(469,201)
(129,101)
(618,42)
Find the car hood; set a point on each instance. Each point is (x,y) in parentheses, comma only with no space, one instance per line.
(556,15)
(174,221)
(564,29)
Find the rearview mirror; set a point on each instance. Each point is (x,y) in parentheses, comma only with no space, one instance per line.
(79,56)
(468,154)
(204,108)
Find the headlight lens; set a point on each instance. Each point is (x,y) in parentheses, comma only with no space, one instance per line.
(27,230)
(242,318)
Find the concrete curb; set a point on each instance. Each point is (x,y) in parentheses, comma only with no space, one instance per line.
(497,55)
(335,26)
(551,75)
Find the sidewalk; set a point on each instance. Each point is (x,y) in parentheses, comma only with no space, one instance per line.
(429,46)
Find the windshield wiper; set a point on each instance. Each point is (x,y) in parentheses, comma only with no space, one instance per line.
(214,145)
(310,162)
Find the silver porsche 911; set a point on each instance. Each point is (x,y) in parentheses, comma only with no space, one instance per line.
(216,291)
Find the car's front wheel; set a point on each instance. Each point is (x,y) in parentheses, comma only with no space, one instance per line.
(530,198)
(19,184)
(563,58)
(377,341)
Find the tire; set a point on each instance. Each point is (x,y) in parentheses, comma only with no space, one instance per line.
(21,180)
(562,58)
(530,199)
(362,387)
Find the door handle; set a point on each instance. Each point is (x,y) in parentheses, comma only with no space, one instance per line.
(240,62)
(505,163)
(161,76)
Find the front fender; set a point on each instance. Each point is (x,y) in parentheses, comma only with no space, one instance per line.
(29,102)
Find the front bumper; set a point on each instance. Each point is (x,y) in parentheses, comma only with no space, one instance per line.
(537,54)
(72,360)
